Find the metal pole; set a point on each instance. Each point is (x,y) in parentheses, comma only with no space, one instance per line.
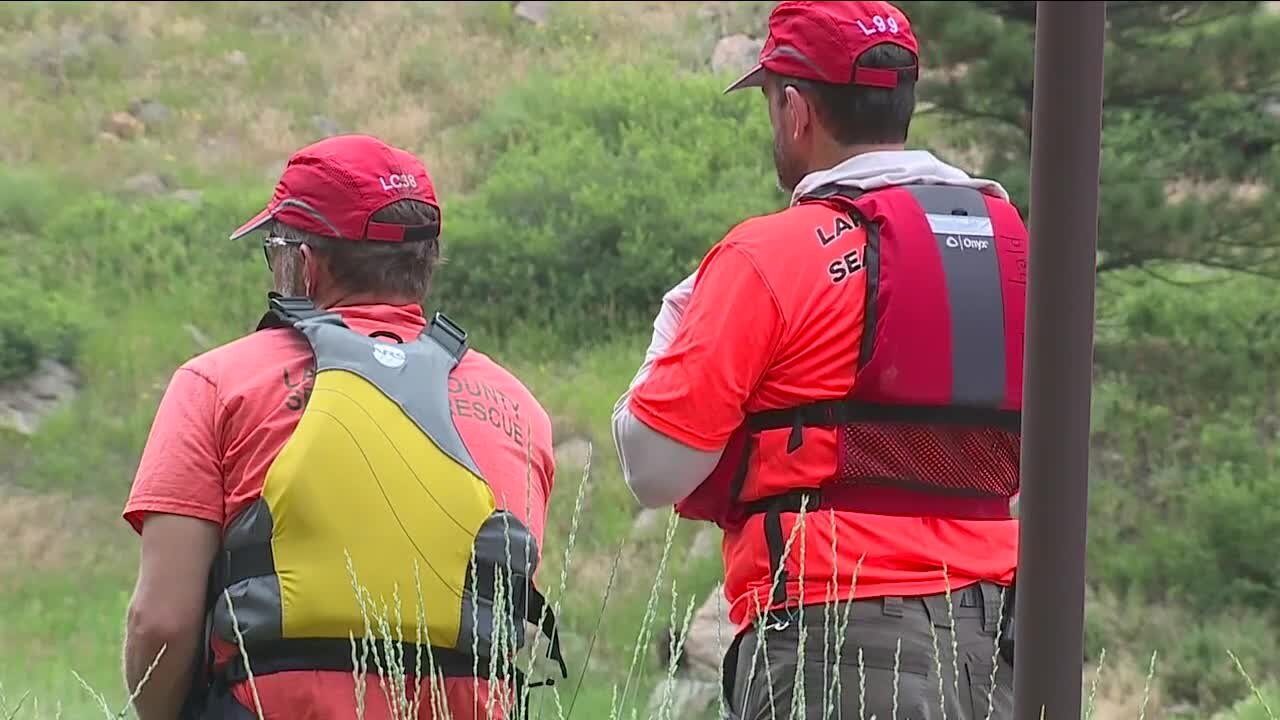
(1066,130)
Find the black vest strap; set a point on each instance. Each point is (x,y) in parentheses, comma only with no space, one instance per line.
(833,413)
(335,655)
(285,311)
(256,560)
(541,615)
(535,610)
(448,335)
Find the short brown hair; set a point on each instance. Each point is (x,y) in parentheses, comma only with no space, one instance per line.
(855,114)
(399,269)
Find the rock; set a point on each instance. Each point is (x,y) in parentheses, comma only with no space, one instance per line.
(705,543)
(709,635)
(150,112)
(325,126)
(124,125)
(533,11)
(695,686)
(25,403)
(237,58)
(736,54)
(572,454)
(146,184)
(683,698)
(647,520)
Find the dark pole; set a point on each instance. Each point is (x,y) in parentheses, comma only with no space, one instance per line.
(1066,128)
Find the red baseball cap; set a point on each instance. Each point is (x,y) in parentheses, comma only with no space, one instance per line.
(823,40)
(333,188)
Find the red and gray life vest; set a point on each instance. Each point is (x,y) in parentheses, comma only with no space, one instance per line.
(933,424)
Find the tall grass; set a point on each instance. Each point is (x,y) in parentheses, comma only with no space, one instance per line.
(374,655)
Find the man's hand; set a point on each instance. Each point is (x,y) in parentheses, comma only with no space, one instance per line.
(167,611)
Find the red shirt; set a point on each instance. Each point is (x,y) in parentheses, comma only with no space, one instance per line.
(775,320)
(226,415)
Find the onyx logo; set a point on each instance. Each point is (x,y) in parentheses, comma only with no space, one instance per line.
(388,355)
(964,242)
(398,181)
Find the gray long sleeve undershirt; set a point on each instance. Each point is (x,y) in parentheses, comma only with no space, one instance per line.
(659,470)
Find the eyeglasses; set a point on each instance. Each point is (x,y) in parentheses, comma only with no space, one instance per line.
(276,241)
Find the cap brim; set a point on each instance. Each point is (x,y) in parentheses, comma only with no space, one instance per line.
(753,78)
(256,223)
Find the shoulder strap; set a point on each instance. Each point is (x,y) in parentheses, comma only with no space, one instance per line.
(448,335)
(830,190)
(285,311)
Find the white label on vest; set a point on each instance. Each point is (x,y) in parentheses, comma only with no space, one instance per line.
(389,355)
(960,225)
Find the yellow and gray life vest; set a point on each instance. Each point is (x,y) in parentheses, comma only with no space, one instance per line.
(376,489)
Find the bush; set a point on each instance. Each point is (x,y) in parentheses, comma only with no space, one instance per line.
(35,323)
(598,192)
(1194,664)
(1185,443)
(1255,707)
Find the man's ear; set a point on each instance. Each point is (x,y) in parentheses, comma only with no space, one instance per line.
(310,270)
(798,110)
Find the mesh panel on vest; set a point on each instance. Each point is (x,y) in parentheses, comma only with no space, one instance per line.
(956,458)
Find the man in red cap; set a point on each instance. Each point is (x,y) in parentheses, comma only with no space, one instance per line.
(348,424)
(838,387)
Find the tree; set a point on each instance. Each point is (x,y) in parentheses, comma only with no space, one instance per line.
(1191,148)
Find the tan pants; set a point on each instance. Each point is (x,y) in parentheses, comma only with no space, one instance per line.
(888,667)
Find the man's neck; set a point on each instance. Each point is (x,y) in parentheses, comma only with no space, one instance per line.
(842,153)
(328,301)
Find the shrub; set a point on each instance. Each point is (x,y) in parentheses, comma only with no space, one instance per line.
(1186,428)
(1194,664)
(597,193)
(35,323)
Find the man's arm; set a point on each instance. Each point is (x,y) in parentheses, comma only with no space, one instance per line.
(659,470)
(665,470)
(167,612)
(176,505)
(674,422)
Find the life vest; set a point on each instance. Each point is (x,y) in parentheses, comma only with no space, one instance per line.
(376,489)
(932,426)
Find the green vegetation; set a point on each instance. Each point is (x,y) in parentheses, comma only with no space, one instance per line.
(580,182)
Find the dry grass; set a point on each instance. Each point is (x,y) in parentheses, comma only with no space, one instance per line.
(51,532)
(245,82)
(1129,690)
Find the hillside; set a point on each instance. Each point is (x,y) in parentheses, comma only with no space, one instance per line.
(586,159)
